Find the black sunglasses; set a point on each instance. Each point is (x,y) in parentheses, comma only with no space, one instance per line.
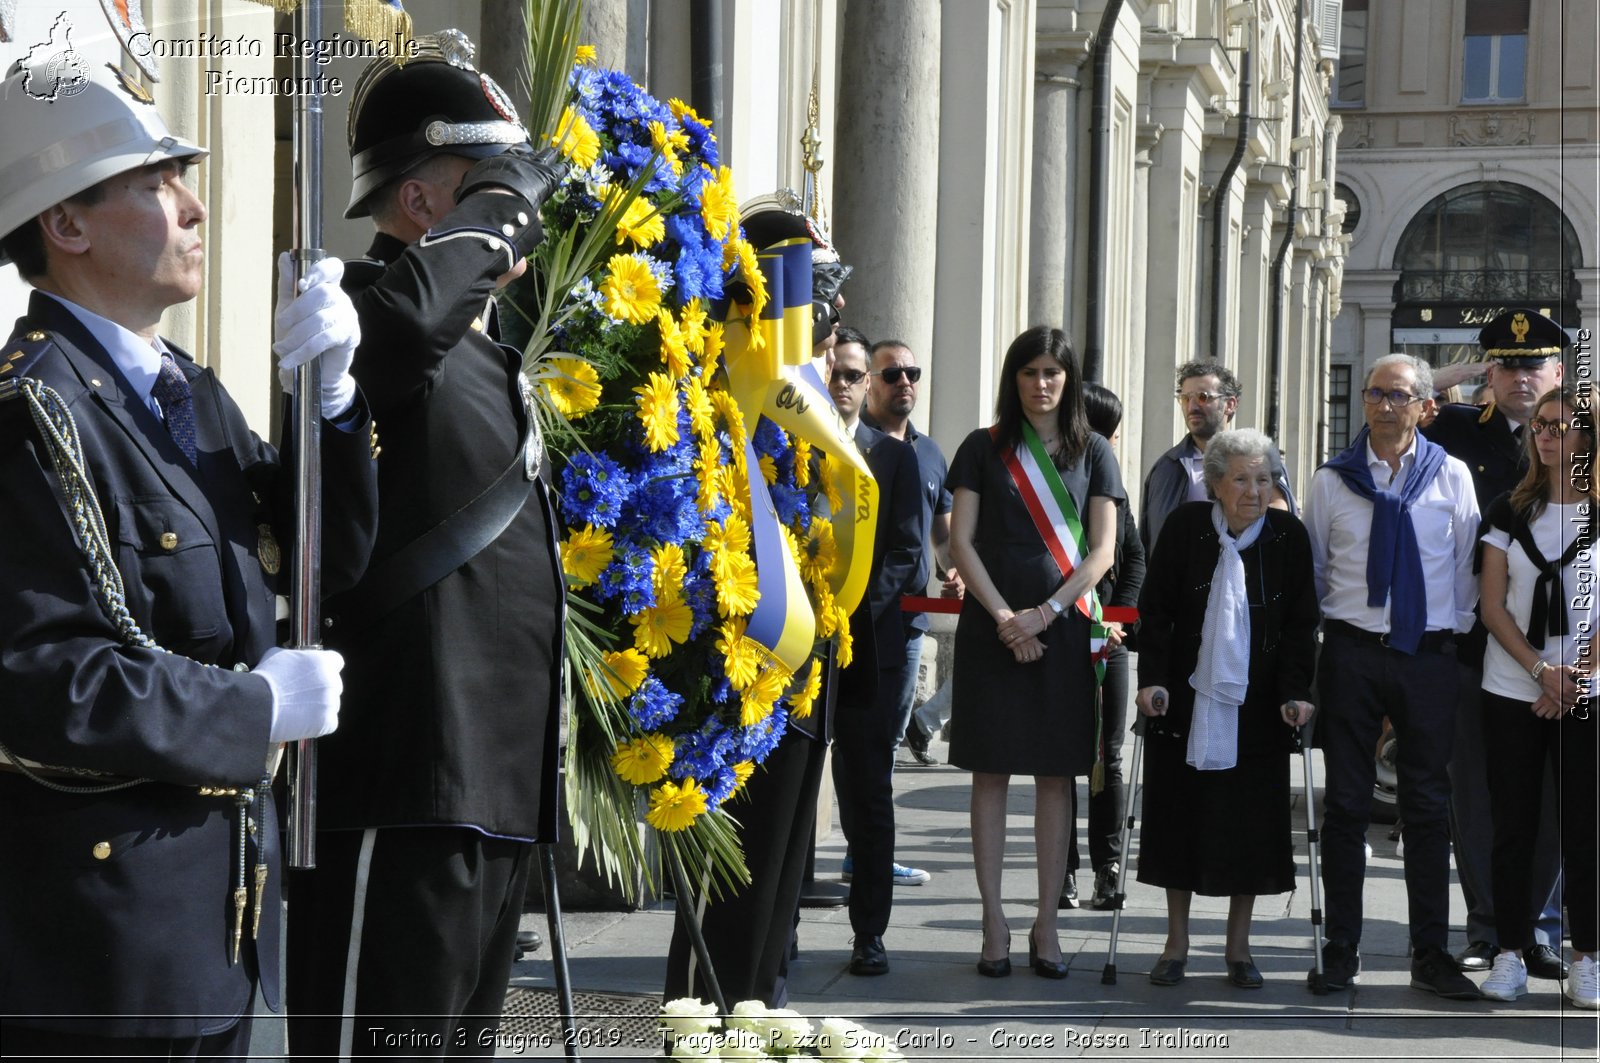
(848,377)
(893,373)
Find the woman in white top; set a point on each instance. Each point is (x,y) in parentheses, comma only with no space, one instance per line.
(1539,586)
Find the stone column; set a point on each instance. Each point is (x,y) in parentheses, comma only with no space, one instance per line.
(1052,236)
(606,24)
(886,180)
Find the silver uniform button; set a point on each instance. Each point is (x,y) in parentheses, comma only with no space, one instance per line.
(522,217)
(509,229)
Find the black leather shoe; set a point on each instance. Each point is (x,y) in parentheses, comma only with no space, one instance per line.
(1244,974)
(1478,956)
(868,956)
(1069,892)
(820,894)
(1544,962)
(1167,972)
(1044,968)
(1341,967)
(1105,888)
(1434,970)
(527,941)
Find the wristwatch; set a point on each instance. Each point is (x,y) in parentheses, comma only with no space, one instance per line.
(1055,606)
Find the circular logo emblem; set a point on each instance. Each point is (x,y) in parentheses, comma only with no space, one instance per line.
(68,73)
(497,98)
(267,550)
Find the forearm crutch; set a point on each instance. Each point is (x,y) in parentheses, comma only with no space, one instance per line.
(1109,975)
(1315,979)
(558,947)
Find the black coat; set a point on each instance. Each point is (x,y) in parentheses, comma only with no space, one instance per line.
(141,936)
(450,704)
(1283,621)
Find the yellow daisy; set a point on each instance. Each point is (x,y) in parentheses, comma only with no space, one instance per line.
(847,645)
(576,139)
(643,760)
(802,461)
(675,807)
(713,348)
(702,415)
(742,770)
(831,468)
(705,470)
(674,353)
(732,420)
(719,205)
(827,616)
(692,320)
(586,554)
(743,655)
(574,387)
(734,576)
(757,699)
(670,572)
(623,672)
(769,468)
(585,55)
(642,223)
(804,696)
(630,290)
(658,411)
(820,552)
(657,628)
(741,252)
(736,534)
(669,144)
(679,109)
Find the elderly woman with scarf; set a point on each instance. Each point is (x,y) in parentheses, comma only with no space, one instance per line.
(1228,617)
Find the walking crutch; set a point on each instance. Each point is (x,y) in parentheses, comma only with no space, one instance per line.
(1315,979)
(1108,976)
(558,946)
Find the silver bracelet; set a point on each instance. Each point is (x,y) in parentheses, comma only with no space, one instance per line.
(1538,669)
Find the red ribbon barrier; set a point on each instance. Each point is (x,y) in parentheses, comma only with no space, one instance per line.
(912,603)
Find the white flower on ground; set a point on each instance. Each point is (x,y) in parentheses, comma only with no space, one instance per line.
(686,1015)
(841,1039)
(749,1016)
(787,1029)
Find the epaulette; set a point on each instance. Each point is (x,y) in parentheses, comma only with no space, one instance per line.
(20,355)
(1487,414)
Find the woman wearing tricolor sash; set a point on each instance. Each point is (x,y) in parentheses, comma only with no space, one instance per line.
(1032,533)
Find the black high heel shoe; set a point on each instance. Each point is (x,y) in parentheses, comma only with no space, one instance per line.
(997,968)
(1044,968)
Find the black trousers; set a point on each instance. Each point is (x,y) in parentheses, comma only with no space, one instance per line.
(1360,683)
(1523,745)
(1105,807)
(401,942)
(748,933)
(863,777)
(20,1042)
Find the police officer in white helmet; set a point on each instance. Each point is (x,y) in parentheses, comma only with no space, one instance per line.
(145,530)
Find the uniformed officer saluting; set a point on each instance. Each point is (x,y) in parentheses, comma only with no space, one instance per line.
(143,693)
(443,771)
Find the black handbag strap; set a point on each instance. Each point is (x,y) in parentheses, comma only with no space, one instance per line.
(434,554)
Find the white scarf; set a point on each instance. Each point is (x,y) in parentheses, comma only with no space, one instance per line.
(1222,672)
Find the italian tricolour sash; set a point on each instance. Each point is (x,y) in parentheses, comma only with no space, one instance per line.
(1055,516)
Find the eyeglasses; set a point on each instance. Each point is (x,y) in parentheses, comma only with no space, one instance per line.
(893,373)
(1557,429)
(1396,398)
(848,377)
(1204,398)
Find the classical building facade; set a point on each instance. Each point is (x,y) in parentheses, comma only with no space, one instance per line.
(1469,171)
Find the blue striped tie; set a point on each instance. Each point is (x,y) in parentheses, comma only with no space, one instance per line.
(177,405)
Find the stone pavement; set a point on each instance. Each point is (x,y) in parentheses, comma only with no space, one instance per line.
(937,1006)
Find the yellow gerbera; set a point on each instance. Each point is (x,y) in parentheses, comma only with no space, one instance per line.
(804,696)
(674,352)
(643,760)
(658,411)
(742,770)
(769,468)
(743,655)
(574,387)
(736,534)
(642,223)
(831,469)
(669,144)
(732,419)
(713,348)
(820,552)
(656,629)
(576,139)
(847,645)
(679,109)
(740,252)
(586,554)
(630,289)
(802,461)
(670,572)
(585,55)
(705,470)
(757,699)
(674,807)
(734,576)
(702,415)
(827,616)
(627,669)
(719,205)
(692,320)
(728,482)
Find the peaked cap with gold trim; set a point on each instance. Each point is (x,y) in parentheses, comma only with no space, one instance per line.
(1521,337)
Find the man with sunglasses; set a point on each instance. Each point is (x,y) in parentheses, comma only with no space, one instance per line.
(891,396)
(1208,397)
(1523,349)
(1393,522)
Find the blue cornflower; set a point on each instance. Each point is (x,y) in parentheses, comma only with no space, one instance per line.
(653,705)
(594,489)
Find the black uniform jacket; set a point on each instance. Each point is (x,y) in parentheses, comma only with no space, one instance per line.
(878,627)
(120,904)
(450,697)
(1283,622)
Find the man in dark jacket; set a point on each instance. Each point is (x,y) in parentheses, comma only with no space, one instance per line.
(430,803)
(145,531)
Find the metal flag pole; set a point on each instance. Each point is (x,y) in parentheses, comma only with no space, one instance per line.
(305,570)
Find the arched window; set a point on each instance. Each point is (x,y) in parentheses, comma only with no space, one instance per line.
(1488,244)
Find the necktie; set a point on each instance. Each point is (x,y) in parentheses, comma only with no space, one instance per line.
(171,390)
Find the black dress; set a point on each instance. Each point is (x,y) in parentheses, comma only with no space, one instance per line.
(1023,719)
(1223,833)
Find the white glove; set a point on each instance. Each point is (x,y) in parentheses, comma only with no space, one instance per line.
(318,321)
(305,692)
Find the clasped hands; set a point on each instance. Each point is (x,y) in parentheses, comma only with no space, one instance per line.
(1020,633)
(1561,687)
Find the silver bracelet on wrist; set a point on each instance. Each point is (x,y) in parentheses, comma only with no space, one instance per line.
(1538,669)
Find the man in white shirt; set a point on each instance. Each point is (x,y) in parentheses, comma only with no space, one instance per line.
(1393,522)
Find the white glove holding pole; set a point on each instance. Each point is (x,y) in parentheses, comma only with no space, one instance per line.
(318,320)
(305,692)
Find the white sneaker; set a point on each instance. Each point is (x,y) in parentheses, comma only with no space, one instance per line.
(909,876)
(1508,978)
(1583,983)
